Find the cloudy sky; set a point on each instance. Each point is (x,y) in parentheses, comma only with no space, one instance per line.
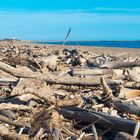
(89,19)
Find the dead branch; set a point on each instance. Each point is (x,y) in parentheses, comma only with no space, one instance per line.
(8,121)
(11,106)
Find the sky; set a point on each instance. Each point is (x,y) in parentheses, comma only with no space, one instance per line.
(88,19)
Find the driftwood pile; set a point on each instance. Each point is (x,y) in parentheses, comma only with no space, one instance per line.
(68,94)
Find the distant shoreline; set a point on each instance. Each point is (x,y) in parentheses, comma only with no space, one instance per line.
(89,41)
(124,52)
(113,44)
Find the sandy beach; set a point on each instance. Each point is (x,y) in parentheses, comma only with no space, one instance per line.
(67,90)
(120,52)
(70,70)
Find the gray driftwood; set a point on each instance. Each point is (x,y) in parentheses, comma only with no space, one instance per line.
(52,79)
(119,64)
(104,120)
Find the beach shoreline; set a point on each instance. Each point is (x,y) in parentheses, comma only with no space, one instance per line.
(121,52)
(126,52)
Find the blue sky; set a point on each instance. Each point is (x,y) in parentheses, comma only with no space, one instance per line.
(89,19)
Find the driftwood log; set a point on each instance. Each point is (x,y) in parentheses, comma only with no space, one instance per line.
(85,71)
(127,107)
(104,120)
(10,106)
(13,136)
(133,76)
(133,85)
(52,79)
(129,93)
(8,121)
(117,64)
(122,106)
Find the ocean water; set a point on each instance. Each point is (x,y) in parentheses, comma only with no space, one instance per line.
(114,44)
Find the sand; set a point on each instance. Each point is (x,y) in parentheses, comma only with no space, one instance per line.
(120,52)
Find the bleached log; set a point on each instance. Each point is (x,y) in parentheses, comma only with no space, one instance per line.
(117,74)
(27,97)
(133,76)
(95,73)
(132,85)
(117,64)
(50,61)
(52,79)
(10,106)
(136,69)
(128,93)
(108,96)
(69,102)
(87,71)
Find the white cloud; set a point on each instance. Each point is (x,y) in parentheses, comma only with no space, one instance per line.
(97,10)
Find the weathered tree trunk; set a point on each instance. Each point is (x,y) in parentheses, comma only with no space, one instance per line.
(133,76)
(84,71)
(117,64)
(129,93)
(132,85)
(129,108)
(103,119)
(52,79)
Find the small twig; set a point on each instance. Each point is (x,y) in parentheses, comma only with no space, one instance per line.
(56,134)
(37,64)
(38,134)
(90,124)
(69,132)
(105,131)
(21,130)
(136,130)
(81,136)
(65,40)
(95,136)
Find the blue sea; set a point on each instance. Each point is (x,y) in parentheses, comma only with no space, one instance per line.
(114,44)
